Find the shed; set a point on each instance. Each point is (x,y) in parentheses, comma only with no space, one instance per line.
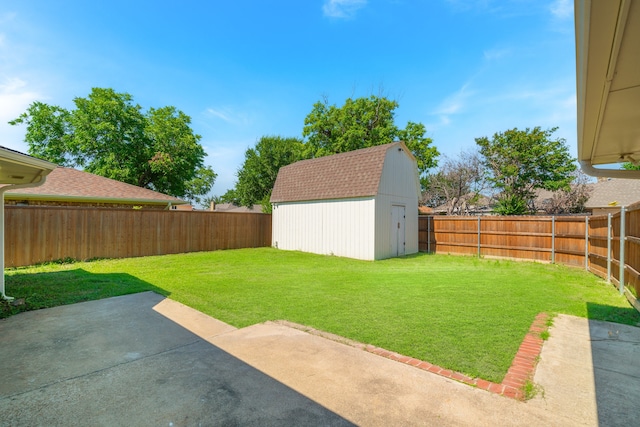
(361,204)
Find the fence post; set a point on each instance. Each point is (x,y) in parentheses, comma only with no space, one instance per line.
(553,239)
(586,243)
(428,234)
(609,248)
(478,236)
(623,215)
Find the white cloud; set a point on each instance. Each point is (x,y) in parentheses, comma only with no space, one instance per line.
(494,54)
(227,115)
(562,9)
(453,104)
(4,19)
(342,8)
(15,97)
(219,114)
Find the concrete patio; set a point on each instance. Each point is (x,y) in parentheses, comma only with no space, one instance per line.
(145,360)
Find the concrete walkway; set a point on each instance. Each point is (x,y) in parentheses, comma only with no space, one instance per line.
(590,373)
(145,360)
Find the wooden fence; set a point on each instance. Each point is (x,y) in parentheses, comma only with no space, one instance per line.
(608,246)
(36,234)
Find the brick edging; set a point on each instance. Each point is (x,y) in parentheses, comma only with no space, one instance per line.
(521,370)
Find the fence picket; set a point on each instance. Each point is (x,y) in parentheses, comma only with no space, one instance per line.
(35,234)
(572,240)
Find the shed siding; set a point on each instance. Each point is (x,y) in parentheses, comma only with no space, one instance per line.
(399,185)
(342,227)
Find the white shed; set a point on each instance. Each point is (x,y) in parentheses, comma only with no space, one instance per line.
(362,204)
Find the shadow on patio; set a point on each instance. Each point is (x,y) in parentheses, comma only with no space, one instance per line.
(615,352)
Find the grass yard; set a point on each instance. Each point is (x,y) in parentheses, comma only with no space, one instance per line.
(463,313)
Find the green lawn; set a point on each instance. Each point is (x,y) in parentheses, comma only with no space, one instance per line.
(462,313)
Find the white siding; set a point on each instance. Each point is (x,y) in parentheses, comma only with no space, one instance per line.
(330,227)
(399,185)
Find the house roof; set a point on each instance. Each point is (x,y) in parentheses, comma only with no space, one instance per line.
(353,174)
(425,210)
(68,185)
(614,192)
(230,207)
(608,84)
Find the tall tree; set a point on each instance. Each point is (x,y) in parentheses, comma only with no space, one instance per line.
(258,173)
(521,161)
(457,184)
(107,134)
(361,123)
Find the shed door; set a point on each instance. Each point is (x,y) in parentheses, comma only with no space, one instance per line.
(397,230)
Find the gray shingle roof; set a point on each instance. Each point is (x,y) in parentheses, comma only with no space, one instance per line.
(230,207)
(623,192)
(340,176)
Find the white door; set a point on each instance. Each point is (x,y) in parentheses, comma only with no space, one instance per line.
(397,230)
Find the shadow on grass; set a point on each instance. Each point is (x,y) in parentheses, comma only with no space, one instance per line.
(33,291)
(608,313)
(615,369)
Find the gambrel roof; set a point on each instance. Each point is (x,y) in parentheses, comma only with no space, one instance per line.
(340,176)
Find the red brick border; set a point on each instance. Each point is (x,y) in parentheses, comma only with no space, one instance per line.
(521,370)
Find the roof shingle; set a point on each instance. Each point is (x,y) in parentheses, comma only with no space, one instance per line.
(340,176)
(614,192)
(71,184)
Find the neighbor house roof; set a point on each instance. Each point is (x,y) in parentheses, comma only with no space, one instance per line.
(352,174)
(230,207)
(614,192)
(69,185)
(425,210)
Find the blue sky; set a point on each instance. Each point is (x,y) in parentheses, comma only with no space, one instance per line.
(247,68)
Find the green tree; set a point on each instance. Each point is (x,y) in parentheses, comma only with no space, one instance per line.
(630,166)
(108,135)
(230,197)
(258,173)
(521,161)
(361,123)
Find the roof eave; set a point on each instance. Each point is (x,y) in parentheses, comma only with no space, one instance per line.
(89,199)
(18,169)
(606,85)
(325,199)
